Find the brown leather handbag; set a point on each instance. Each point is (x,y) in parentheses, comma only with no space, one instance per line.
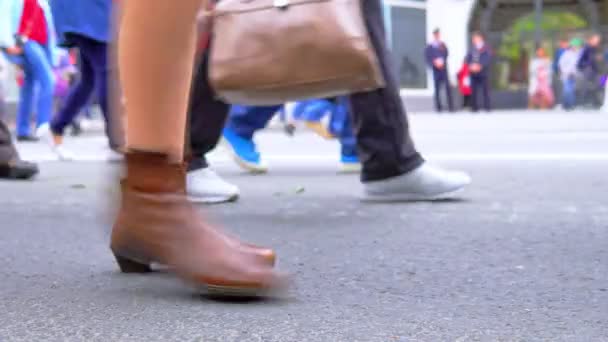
(268,52)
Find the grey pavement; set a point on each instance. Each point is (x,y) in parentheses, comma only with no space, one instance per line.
(522,256)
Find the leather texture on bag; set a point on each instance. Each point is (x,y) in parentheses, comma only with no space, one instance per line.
(268,52)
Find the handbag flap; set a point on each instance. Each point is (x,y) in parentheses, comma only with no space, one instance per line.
(225,7)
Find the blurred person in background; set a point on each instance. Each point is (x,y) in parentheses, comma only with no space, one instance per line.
(27,40)
(563,46)
(436,54)
(589,66)
(540,89)
(568,72)
(84,25)
(479,60)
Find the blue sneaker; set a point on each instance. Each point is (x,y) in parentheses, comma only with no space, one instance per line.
(244,152)
(350,164)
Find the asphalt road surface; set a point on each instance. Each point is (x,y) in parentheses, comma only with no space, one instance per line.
(521,256)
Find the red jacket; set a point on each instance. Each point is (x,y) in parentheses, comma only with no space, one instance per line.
(464,80)
(33,22)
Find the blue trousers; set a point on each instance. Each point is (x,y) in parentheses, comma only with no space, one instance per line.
(246,120)
(569,93)
(38,85)
(94,72)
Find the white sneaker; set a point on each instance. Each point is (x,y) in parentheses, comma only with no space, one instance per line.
(205,186)
(44,133)
(426,183)
(62,153)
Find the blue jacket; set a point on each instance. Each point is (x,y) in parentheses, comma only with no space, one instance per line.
(587,62)
(89,18)
(433,52)
(482,56)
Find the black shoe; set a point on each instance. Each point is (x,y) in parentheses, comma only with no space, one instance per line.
(27,138)
(18,169)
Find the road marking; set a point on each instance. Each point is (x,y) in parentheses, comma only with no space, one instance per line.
(222,158)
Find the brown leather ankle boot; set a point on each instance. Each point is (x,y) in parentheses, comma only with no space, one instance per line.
(265,255)
(156,223)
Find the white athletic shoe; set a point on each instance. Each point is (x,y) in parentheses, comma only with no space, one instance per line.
(205,186)
(62,153)
(44,133)
(426,183)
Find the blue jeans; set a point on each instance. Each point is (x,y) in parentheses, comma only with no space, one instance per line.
(38,84)
(569,93)
(339,122)
(246,120)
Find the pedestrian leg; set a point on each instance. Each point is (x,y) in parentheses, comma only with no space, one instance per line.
(437,82)
(26,101)
(392,167)
(475,87)
(156,223)
(40,66)
(206,119)
(448,91)
(487,101)
(385,146)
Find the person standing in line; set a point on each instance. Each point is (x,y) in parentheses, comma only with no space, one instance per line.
(540,90)
(563,46)
(84,25)
(479,60)
(568,72)
(27,40)
(436,54)
(588,65)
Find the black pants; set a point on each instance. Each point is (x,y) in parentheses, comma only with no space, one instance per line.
(384,144)
(206,117)
(8,152)
(442,83)
(481,88)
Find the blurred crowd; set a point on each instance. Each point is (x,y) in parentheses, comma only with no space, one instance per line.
(574,78)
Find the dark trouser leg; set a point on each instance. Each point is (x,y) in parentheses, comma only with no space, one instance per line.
(207,116)
(487,102)
(448,91)
(79,94)
(475,86)
(97,54)
(437,84)
(384,143)
(7,149)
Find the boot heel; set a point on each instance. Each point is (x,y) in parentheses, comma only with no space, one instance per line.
(130,266)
